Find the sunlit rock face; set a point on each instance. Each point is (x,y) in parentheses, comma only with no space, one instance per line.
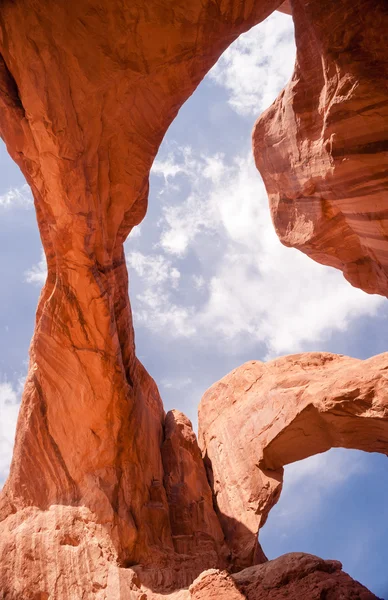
(87,91)
(107,497)
(293,576)
(263,416)
(322,146)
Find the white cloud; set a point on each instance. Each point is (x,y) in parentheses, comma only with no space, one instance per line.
(329,468)
(199,281)
(153,269)
(17,197)
(136,232)
(177,383)
(154,306)
(258,291)
(9,408)
(38,273)
(255,68)
(167,167)
(192,220)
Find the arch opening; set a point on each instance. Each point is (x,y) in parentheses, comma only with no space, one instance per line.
(333,505)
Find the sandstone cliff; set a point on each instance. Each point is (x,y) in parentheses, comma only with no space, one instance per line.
(87,91)
(108,498)
(322,146)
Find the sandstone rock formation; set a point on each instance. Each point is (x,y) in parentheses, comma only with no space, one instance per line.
(107,497)
(285,8)
(322,146)
(294,576)
(87,91)
(298,406)
(194,524)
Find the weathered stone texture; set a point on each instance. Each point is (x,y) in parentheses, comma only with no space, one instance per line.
(108,498)
(87,91)
(263,416)
(322,147)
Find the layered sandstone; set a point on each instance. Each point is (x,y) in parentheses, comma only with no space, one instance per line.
(108,498)
(87,91)
(195,527)
(322,146)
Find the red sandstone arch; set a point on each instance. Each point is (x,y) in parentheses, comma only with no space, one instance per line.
(87,91)
(298,405)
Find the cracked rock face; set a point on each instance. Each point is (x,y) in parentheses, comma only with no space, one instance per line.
(109,498)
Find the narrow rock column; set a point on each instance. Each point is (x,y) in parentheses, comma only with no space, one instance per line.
(88,405)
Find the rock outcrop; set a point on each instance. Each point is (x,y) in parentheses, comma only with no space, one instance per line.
(298,406)
(322,147)
(293,576)
(107,497)
(87,92)
(195,527)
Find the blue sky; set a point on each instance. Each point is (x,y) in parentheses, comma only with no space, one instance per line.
(211,287)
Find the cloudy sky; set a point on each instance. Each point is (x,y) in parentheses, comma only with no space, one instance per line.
(211,287)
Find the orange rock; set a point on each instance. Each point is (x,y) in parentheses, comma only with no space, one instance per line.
(293,576)
(87,92)
(194,525)
(277,413)
(215,585)
(107,498)
(322,146)
(285,8)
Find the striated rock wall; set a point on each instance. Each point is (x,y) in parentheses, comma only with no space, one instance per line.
(194,524)
(108,498)
(87,91)
(322,147)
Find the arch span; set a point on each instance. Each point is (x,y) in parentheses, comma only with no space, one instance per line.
(263,416)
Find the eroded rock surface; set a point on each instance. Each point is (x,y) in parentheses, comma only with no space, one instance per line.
(107,498)
(322,146)
(87,91)
(293,576)
(280,412)
(195,527)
